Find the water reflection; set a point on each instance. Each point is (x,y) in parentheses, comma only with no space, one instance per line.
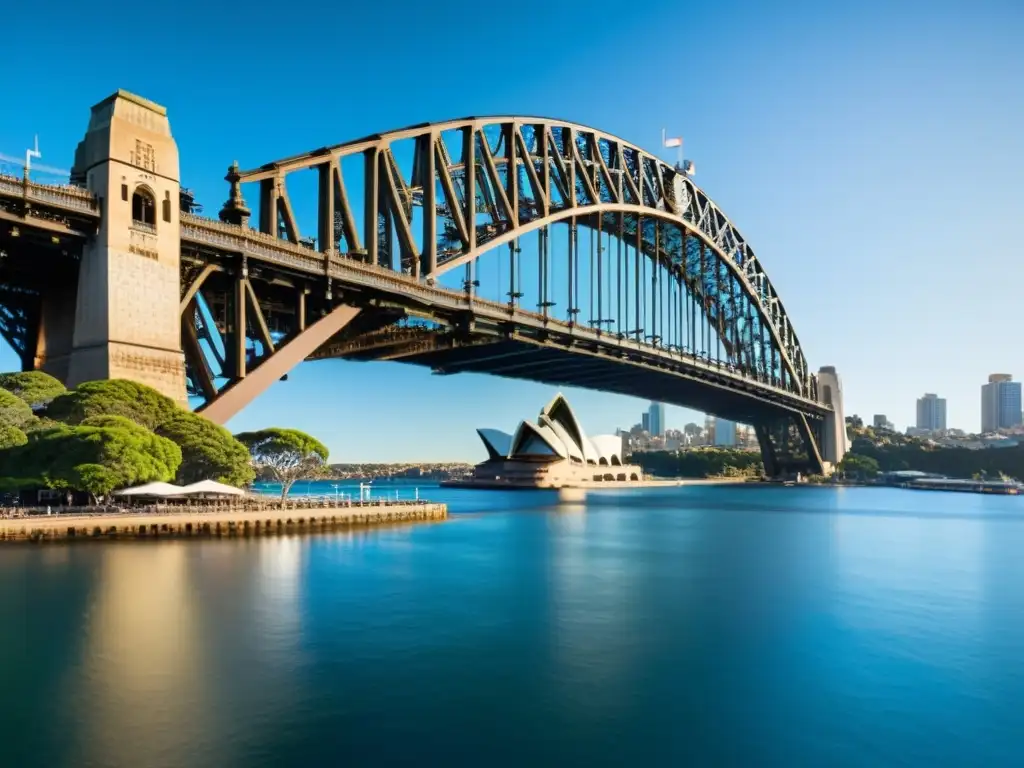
(277,606)
(697,626)
(142,668)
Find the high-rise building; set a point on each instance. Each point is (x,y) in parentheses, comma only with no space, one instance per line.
(656,419)
(879,421)
(725,433)
(931,413)
(645,422)
(1000,403)
(624,447)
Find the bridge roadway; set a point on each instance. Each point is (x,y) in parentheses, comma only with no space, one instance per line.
(689,376)
(520,343)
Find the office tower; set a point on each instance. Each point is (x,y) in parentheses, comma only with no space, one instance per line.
(725,433)
(645,422)
(931,413)
(880,422)
(1000,403)
(656,419)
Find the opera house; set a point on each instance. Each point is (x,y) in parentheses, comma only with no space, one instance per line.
(553,453)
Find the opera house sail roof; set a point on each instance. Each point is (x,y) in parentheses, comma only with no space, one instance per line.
(557,434)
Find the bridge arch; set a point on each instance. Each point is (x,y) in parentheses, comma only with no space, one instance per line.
(562,171)
(796,368)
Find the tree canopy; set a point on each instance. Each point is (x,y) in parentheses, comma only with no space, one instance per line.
(287,454)
(34,387)
(855,464)
(14,412)
(11,437)
(117,397)
(208,451)
(700,462)
(129,454)
(105,435)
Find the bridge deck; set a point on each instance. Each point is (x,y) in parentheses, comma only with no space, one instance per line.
(543,348)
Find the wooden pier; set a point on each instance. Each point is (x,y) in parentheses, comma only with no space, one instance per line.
(213,521)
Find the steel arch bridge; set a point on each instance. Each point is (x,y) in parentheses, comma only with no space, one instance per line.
(599,248)
(518,246)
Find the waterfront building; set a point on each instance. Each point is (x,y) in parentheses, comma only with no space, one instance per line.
(656,419)
(725,433)
(1000,403)
(931,413)
(554,452)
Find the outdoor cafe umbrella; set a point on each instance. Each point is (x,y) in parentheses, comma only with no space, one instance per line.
(151,489)
(210,488)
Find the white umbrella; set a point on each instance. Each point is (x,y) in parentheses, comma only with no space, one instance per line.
(211,487)
(151,489)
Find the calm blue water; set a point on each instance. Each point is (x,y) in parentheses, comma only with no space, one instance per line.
(704,626)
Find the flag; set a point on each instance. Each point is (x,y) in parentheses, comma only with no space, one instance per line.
(674,142)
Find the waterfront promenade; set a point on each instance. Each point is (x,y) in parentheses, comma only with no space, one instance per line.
(215,520)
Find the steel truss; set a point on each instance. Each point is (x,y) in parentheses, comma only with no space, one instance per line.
(491,181)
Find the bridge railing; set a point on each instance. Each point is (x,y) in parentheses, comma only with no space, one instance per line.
(61,195)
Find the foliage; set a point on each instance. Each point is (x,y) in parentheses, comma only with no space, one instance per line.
(110,420)
(11,437)
(34,387)
(116,397)
(208,451)
(54,457)
(700,462)
(14,412)
(902,453)
(40,423)
(95,479)
(858,465)
(288,454)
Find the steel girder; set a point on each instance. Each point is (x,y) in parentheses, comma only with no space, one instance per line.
(462,170)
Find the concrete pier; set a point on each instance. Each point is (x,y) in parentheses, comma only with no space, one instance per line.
(213,522)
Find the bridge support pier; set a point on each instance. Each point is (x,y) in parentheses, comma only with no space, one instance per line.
(791,444)
(55,336)
(834,443)
(126,319)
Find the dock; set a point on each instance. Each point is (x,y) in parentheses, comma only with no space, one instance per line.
(213,521)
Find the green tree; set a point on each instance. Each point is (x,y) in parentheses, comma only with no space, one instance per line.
(114,397)
(34,387)
(700,462)
(858,466)
(14,412)
(287,454)
(11,437)
(129,452)
(208,451)
(96,480)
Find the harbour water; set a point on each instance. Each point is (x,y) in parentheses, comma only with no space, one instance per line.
(681,626)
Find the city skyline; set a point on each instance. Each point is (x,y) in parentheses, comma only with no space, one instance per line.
(844,141)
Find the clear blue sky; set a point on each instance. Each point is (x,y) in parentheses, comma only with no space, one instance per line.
(871,152)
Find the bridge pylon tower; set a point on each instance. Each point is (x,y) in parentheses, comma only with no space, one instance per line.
(126,321)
